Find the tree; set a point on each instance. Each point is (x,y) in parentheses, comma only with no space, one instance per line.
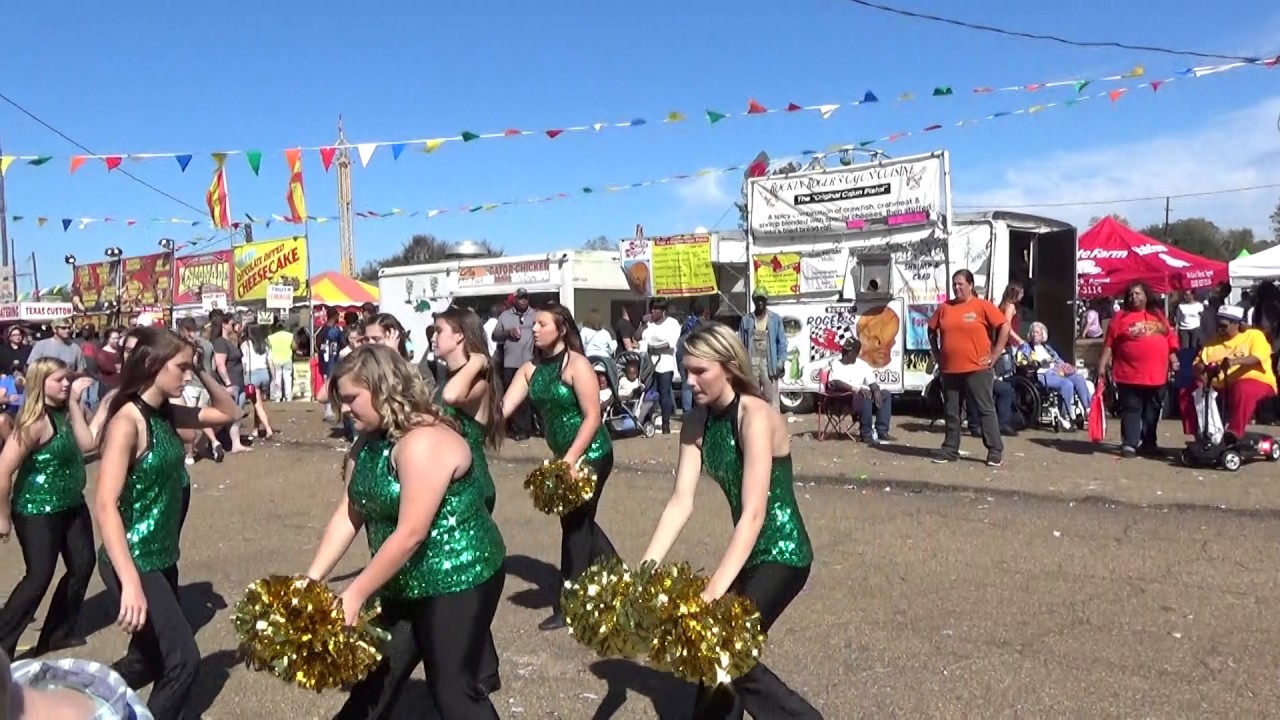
(1275,224)
(1114,216)
(420,249)
(1205,238)
(600,242)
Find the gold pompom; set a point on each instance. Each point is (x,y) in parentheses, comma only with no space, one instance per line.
(558,489)
(596,610)
(293,627)
(711,643)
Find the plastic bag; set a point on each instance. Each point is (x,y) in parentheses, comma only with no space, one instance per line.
(1208,419)
(1098,414)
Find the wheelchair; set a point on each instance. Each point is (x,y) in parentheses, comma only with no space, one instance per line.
(1040,405)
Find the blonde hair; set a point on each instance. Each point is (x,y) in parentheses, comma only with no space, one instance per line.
(716,343)
(395,388)
(34,400)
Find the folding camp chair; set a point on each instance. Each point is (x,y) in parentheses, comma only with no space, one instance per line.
(835,410)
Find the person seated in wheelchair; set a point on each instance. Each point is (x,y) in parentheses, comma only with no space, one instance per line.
(1238,360)
(1057,375)
(852,374)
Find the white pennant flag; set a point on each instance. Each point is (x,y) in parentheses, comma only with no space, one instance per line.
(366,152)
(826,110)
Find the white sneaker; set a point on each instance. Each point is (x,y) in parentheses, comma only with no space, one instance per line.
(190,460)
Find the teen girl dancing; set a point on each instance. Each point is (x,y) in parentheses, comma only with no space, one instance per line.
(562,385)
(437,555)
(139,510)
(472,396)
(744,445)
(43,464)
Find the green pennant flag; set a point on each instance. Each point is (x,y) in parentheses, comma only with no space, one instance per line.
(255,160)
(942,90)
(587,191)
(468,136)
(1081,85)
(865,143)
(1072,101)
(715,117)
(40,160)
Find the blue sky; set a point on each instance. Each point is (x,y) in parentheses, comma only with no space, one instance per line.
(199,77)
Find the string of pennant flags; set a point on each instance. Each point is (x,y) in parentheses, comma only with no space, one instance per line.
(843,152)
(366,151)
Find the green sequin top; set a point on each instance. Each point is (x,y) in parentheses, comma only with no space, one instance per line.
(783,538)
(559,407)
(473,431)
(51,479)
(464,547)
(151,501)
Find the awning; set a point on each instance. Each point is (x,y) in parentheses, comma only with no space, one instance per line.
(1257,267)
(1110,256)
(337,290)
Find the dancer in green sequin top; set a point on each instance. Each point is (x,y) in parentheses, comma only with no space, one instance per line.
(562,385)
(744,445)
(138,505)
(43,463)
(437,554)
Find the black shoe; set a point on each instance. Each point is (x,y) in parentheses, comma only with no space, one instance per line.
(1149,451)
(994,460)
(490,685)
(1128,452)
(886,437)
(1009,432)
(555,622)
(519,437)
(944,457)
(219,453)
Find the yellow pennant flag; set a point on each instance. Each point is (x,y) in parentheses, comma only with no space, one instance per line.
(5,162)
(433,145)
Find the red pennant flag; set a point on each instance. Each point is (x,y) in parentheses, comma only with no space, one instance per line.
(76,162)
(1033,87)
(1272,62)
(553,134)
(292,157)
(1155,85)
(326,157)
(511,132)
(1115,94)
(983,90)
(757,169)
(792,107)
(755,108)
(132,222)
(896,137)
(112,162)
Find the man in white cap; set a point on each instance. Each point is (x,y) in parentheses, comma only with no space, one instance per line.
(1242,356)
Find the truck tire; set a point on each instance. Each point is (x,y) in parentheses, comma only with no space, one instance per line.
(796,403)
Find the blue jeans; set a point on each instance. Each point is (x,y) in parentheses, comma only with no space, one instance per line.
(1069,386)
(883,412)
(1002,392)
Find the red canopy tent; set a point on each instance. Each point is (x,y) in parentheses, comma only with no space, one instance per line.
(1110,256)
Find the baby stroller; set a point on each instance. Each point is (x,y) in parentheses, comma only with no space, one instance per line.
(629,416)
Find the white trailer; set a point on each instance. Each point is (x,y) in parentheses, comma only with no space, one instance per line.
(581,280)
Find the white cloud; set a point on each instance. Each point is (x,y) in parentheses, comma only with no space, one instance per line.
(1237,149)
(708,192)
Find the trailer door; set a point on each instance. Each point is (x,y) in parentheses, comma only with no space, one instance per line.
(1054,288)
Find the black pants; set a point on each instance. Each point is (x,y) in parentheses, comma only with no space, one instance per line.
(666,397)
(448,634)
(771,587)
(521,423)
(977,388)
(582,541)
(164,651)
(43,538)
(1140,407)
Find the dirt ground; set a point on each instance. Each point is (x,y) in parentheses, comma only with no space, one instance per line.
(1067,583)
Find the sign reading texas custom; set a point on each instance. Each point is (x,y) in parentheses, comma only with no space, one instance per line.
(263,263)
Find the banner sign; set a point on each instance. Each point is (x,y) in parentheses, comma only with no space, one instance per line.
(37,312)
(198,275)
(210,301)
(816,333)
(824,272)
(525,272)
(776,274)
(675,266)
(263,263)
(849,199)
(148,281)
(279,297)
(94,287)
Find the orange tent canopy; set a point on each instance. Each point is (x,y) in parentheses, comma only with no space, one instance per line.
(335,289)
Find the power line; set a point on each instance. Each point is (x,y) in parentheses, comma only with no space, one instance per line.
(1047,38)
(1088,203)
(87,151)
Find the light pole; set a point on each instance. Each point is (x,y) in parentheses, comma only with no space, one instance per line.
(170,247)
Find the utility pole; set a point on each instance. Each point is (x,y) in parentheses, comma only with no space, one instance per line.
(346,236)
(8,281)
(1166,219)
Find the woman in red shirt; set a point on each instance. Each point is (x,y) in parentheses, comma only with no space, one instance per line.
(1141,347)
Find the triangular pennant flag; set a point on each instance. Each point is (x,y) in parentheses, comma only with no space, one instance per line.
(131,222)
(827,110)
(433,145)
(792,107)
(512,132)
(5,162)
(675,116)
(755,108)
(76,162)
(468,136)
(1115,94)
(396,149)
(183,161)
(715,117)
(870,97)
(40,160)
(40,221)
(326,157)
(1137,71)
(906,96)
(638,122)
(1033,87)
(943,90)
(292,157)
(255,161)
(1155,85)
(66,224)
(553,134)
(365,151)
(931,128)
(984,90)
(219,159)
(865,143)
(18,218)
(598,126)
(587,191)
(1034,109)
(1272,62)
(1080,85)
(1072,101)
